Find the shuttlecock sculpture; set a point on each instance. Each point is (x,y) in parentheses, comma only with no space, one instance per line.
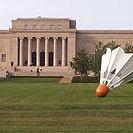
(116,69)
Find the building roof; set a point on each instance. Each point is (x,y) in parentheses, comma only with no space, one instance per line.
(41,18)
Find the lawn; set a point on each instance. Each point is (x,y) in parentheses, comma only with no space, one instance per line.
(32,105)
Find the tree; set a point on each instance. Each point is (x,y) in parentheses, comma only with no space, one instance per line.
(81,63)
(100,49)
(128,48)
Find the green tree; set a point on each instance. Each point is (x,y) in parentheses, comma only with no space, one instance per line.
(81,63)
(128,48)
(100,49)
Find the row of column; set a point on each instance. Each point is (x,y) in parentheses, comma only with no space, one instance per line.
(46,52)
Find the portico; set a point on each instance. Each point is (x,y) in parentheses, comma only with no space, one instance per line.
(42,51)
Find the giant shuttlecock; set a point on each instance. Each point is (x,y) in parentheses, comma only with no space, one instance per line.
(116,69)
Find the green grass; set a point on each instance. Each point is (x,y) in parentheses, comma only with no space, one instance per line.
(53,107)
(32,80)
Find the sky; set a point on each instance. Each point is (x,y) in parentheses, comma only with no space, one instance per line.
(89,14)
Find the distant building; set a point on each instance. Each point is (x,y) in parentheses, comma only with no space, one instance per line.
(50,44)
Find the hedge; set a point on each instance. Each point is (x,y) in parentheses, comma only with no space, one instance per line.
(85,79)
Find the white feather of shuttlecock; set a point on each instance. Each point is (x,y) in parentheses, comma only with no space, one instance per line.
(116,68)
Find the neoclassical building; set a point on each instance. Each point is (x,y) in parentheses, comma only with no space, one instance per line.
(50,44)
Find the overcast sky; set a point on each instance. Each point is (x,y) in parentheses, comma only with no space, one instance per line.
(90,14)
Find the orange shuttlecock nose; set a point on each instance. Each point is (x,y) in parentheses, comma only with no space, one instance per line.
(102,90)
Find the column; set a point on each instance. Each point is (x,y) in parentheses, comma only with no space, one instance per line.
(55,51)
(29,51)
(71,53)
(21,52)
(46,51)
(63,51)
(38,52)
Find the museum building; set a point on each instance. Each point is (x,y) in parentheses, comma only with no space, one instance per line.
(50,44)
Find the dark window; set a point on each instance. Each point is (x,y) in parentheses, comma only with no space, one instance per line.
(59,62)
(33,59)
(3,58)
(51,58)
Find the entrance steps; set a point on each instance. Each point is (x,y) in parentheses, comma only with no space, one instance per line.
(44,71)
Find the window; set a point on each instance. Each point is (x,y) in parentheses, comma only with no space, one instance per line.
(3,57)
(34,27)
(25,26)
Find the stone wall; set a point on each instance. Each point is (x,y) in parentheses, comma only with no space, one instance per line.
(4,46)
(88,38)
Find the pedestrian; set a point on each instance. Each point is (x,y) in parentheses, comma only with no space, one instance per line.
(38,72)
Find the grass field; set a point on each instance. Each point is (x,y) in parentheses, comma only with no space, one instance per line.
(32,105)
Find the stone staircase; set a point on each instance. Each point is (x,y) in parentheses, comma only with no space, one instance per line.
(44,71)
(64,72)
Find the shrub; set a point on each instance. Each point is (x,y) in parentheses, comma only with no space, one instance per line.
(85,79)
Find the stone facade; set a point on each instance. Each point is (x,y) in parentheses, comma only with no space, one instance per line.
(50,44)
(88,38)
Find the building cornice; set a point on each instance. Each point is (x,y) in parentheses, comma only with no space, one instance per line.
(69,31)
(43,31)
